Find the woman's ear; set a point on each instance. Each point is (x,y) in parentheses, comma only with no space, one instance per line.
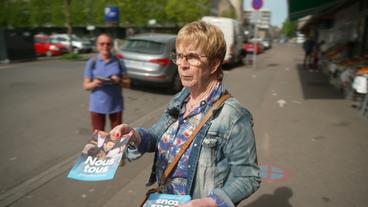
(215,66)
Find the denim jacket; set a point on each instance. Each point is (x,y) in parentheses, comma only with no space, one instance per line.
(223,158)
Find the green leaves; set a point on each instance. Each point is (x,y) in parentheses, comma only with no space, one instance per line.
(289,28)
(182,12)
(20,13)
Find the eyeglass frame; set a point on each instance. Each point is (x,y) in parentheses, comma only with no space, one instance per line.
(108,44)
(174,58)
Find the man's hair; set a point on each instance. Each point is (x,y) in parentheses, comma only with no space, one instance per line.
(207,37)
(103,34)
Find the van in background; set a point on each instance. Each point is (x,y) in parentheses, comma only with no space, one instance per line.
(233,34)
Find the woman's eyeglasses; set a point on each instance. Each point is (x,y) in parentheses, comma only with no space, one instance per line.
(192,58)
(105,43)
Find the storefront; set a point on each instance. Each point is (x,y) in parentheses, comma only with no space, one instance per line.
(340,29)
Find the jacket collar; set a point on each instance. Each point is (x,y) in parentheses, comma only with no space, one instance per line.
(180,97)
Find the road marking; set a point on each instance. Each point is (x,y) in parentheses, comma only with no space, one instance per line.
(28,186)
(281,102)
(12,158)
(273,173)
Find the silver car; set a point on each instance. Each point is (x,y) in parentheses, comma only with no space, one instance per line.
(147,58)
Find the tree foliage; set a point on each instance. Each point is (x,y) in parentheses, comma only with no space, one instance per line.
(289,28)
(32,13)
(229,14)
(186,11)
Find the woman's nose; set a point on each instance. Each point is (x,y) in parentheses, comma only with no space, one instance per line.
(184,63)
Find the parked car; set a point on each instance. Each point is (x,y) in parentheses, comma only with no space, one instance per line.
(147,58)
(248,47)
(267,43)
(44,46)
(78,45)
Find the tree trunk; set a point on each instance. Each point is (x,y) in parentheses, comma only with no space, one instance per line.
(68,22)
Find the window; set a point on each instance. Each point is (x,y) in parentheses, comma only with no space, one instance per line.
(144,46)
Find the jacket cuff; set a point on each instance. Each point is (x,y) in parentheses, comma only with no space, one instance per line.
(221,198)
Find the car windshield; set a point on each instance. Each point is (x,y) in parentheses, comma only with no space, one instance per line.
(53,40)
(75,38)
(40,40)
(144,46)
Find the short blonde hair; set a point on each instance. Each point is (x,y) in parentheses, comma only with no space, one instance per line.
(207,37)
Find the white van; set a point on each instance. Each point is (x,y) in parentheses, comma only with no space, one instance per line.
(233,34)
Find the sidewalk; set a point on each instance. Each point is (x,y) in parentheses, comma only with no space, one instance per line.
(311,142)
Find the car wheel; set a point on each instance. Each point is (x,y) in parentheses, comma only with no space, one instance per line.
(75,50)
(175,85)
(49,53)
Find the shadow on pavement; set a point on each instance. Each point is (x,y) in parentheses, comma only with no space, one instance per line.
(280,198)
(315,85)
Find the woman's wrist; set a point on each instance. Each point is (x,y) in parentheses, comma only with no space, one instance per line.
(135,139)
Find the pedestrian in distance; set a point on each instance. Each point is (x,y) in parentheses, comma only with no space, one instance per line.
(204,142)
(309,47)
(102,77)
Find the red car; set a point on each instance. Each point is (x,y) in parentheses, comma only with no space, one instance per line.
(249,47)
(44,46)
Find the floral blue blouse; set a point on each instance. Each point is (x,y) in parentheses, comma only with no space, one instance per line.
(172,140)
(226,182)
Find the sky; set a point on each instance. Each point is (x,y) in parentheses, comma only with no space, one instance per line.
(278,10)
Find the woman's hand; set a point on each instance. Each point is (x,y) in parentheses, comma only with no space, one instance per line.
(115,79)
(123,129)
(89,84)
(96,83)
(202,202)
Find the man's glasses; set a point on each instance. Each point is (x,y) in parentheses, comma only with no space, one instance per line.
(104,43)
(192,58)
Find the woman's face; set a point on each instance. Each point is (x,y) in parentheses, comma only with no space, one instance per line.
(103,45)
(193,66)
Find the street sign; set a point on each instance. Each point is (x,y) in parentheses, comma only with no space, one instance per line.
(257,4)
(111,14)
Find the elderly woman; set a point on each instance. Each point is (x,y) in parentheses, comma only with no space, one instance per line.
(219,168)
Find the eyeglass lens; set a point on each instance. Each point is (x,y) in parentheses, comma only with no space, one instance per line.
(192,58)
(105,43)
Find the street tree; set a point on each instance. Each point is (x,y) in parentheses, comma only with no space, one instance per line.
(34,13)
(68,23)
(182,12)
(289,28)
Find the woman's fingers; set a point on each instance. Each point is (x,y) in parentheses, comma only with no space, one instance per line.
(120,130)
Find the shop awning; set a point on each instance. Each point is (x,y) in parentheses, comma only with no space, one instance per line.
(301,8)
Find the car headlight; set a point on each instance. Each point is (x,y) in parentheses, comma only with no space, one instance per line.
(53,47)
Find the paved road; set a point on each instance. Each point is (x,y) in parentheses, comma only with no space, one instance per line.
(311,142)
(44,126)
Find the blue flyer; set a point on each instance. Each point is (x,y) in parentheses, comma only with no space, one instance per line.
(166,200)
(100,157)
